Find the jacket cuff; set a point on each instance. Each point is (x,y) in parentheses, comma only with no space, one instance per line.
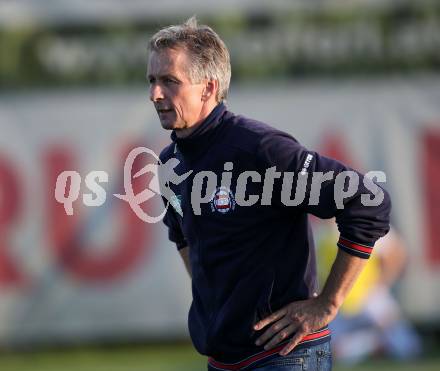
(354,248)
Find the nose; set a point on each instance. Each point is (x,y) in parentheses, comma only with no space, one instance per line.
(156,92)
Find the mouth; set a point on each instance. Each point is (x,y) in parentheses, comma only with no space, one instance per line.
(163,111)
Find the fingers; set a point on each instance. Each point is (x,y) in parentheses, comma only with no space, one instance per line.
(272,330)
(268,320)
(300,333)
(280,336)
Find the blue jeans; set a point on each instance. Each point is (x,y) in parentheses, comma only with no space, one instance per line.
(314,358)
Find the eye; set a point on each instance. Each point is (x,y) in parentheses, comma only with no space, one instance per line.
(151,80)
(169,80)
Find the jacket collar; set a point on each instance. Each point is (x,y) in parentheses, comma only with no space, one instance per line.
(201,136)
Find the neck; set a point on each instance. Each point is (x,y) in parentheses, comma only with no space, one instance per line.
(187,131)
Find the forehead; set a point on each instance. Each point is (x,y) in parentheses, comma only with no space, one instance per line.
(167,61)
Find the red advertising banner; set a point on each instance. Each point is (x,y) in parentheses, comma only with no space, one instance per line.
(431,161)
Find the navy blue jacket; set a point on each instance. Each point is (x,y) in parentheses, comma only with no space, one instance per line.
(248,262)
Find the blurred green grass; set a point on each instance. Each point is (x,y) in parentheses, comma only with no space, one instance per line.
(175,357)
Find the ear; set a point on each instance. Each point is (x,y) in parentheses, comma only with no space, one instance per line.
(210,90)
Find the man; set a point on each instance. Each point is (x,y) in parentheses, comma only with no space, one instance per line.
(252,264)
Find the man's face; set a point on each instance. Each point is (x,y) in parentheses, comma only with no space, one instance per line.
(177,100)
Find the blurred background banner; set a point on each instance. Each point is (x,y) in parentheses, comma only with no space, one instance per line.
(358,82)
(105,273)
(65,42)
(101,273)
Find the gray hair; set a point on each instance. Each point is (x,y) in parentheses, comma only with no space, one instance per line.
(207,52)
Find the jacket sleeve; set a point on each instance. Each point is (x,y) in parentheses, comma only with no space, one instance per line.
(360,223)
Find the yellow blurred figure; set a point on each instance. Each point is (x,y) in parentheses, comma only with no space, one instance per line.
(370,320)
(367,280)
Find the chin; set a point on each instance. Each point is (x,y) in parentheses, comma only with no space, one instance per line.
(168,125)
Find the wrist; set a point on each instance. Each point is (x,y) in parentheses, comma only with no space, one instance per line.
(331,304)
